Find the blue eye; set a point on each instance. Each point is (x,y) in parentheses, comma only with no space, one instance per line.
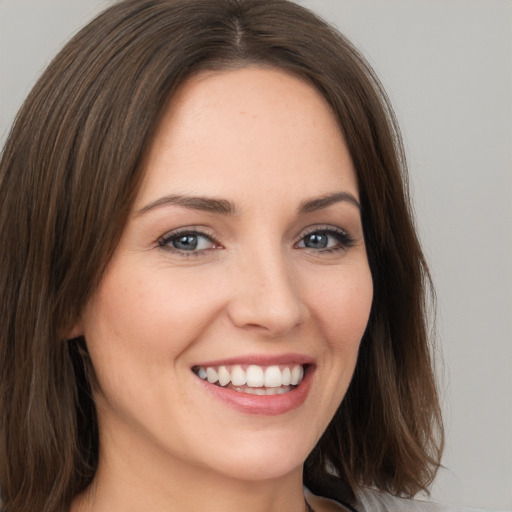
(326,240)
(187,241)
(316,241)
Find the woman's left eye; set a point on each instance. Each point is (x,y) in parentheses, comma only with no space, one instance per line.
(326,240)
(187,242)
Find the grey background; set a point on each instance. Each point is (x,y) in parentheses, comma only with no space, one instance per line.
(447,66)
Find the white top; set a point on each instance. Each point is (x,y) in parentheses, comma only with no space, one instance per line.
(375,501)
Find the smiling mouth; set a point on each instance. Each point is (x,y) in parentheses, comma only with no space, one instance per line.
(254,379)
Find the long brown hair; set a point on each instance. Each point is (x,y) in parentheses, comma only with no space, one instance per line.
(68,176)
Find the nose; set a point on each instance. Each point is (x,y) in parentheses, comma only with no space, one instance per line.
(265,296)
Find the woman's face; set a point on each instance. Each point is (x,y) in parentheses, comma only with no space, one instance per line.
(244,260)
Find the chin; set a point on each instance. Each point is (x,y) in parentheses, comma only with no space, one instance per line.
(264,457)
(262,468)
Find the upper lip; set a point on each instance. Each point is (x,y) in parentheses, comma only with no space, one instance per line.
(260,360)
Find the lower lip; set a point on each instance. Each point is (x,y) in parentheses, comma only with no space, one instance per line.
(266,405)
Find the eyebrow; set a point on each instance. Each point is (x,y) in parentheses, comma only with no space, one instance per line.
(319,203)
(225,207)
(206,204)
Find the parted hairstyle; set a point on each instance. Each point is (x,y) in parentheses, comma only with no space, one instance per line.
(69,173)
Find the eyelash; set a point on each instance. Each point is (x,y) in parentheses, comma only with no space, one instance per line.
(345,241)
(164,242)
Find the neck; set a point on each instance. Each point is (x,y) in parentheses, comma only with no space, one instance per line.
(136,479)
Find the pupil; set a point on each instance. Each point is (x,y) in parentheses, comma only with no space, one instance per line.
(316,241)
(186,242)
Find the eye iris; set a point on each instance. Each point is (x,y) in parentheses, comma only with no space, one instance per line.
(316,241)
(185,242)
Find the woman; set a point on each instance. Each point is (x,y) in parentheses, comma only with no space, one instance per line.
(213,290)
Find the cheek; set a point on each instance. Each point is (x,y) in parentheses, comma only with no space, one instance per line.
(342,307)
(149,307)
(144,319)
(340,311)
(137,327)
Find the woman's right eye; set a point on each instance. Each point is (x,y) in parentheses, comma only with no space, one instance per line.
(190,242)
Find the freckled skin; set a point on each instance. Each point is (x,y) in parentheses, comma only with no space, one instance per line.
(266,141)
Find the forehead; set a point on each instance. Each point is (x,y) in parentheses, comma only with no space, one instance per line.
(234,132)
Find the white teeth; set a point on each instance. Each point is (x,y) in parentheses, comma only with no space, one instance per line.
(211,375)
(286,377)
(273,377)
(297,374)
(224,376)
(238,376)
(255,379)
(255,376)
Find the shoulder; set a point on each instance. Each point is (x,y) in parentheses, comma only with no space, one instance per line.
(333,496)
(371,500)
